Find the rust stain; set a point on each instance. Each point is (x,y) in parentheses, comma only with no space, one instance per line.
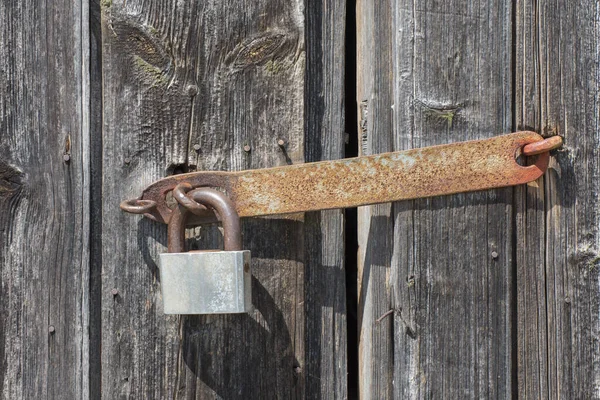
(381,178)
(430,171)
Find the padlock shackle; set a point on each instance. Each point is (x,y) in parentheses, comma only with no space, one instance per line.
(225,210)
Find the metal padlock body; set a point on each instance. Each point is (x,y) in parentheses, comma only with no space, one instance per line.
(206,282)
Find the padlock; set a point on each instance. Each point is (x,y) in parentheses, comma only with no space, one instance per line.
(206,282)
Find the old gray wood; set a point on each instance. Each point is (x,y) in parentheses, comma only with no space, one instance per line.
(214,86)
(493,294)
(326,356)
(436,308)
(557,80)
(44,213)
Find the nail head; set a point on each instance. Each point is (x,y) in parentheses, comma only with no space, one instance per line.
(494,254)
(247,148)
(66,157)
(196,147)
(281,142)
(51,329)
(192,90)
(114,292)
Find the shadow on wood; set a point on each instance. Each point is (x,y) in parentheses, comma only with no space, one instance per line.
(564,176)
(244,355)
(325,366)
(252,348)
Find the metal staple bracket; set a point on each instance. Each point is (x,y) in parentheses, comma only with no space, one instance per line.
(425,172)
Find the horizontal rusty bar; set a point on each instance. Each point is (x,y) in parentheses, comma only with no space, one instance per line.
(430,171)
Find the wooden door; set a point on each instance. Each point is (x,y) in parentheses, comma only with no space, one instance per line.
(214,86)
(492,294)
(482,295)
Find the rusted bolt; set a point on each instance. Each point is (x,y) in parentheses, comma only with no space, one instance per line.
(494,254)
(281,142)
(114,292)
(66,158)
(191,90)
(247,148)
(51,329)
(197,147)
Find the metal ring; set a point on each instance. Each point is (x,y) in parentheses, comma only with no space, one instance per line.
(180,194)
(138,206)
(542,146)
(226,212)
(217,201)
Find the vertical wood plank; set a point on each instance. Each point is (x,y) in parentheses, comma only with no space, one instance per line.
(435,275)
(214,86)
(326,324)
(95,203)
(44,211)
(557,80)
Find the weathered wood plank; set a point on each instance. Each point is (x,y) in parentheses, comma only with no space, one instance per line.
(557,80)
(435,275)
(95,203)
(326,368)
(215,86)
(44,210)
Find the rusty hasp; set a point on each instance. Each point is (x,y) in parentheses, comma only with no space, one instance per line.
(425,172)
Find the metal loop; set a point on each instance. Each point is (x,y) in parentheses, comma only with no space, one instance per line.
(542,146)
(218,201)
(225,209)
(138,206)
(180,194)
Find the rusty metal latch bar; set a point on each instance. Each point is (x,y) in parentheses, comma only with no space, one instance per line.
(425,172)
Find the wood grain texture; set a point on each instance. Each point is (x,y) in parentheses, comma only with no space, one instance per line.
(326,358)
(95,203)
(44,213)
(214,86)
(557,80)
(435,314)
